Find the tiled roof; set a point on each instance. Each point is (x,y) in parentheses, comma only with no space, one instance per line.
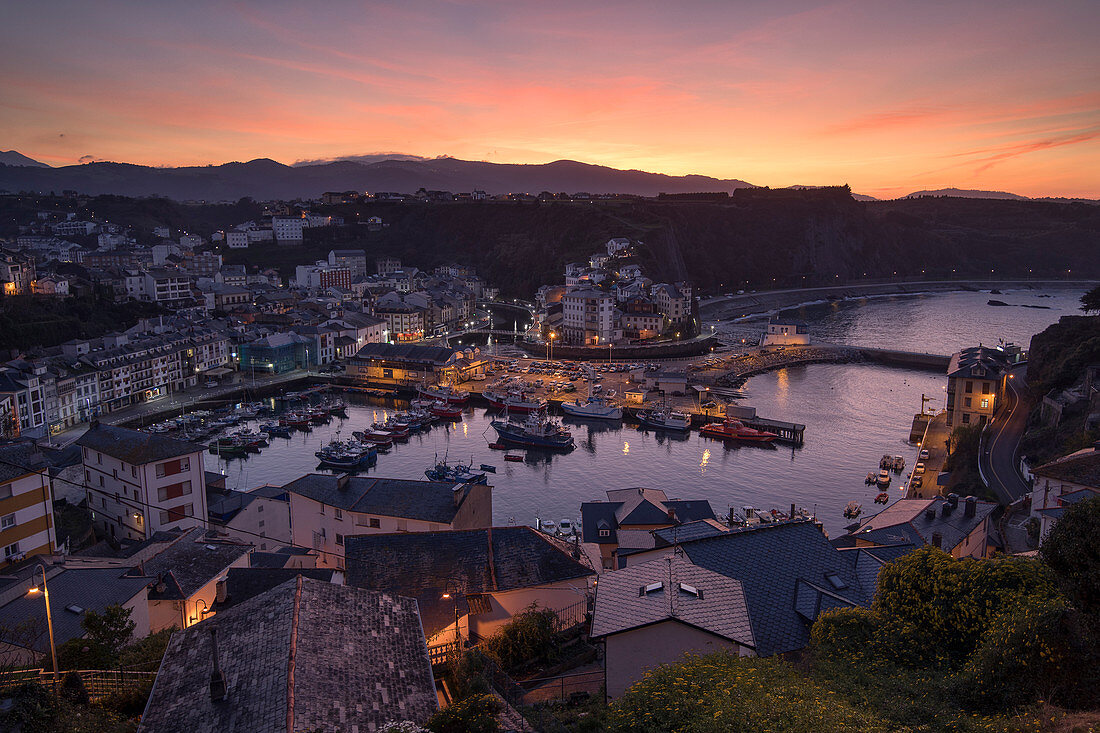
(429,501)
(134,446)
(689,531)
(1079,468)
(244,583)
(771,561)
(906,521)
(420,565)
(306,655)
(637,506)
(188,564)
(19,459)
(406,352)
(622,602)
(87,589)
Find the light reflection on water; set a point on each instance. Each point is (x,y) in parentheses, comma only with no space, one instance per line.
(853,413)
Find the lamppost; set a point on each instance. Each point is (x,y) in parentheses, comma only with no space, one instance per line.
(550,345)
(450,592)
(35,590)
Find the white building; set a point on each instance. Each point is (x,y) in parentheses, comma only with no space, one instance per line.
(190,241)
(617,245)
(786,332)
(288,228)
(236,240)
(139,483)
(588,317)
(71,228)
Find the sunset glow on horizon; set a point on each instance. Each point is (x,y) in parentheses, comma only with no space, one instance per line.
(887,96)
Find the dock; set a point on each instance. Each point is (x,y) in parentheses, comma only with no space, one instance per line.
(788,432)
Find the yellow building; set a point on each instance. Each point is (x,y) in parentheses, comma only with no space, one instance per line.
(975,385)
(26,506)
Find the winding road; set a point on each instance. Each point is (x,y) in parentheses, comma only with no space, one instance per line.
(999,458)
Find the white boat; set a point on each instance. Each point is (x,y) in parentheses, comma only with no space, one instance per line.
(596,408)
(549,526)
(883,479)
(565,527)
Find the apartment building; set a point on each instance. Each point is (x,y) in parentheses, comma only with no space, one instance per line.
(139,483)
(353,259)
(16,272)
(236,240)
(26,506)
(975,384)
(588,317)
(288,228)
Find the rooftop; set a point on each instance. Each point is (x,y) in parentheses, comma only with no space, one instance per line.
(907,521)
(134,446)
(242,584)
(1082,467)
(407,352)
(189,563)
(306,655)
(429,501)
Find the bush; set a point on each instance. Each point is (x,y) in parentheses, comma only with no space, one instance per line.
(529,636)
(1038,652)
(474,714)
(82,654)
(129,702)
(464,673)
(145,653)
(723,692)
(1072,550)
(72,689)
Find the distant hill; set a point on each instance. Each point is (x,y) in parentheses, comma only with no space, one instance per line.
(856,196)
(14,157)
(968,194)
(266,179)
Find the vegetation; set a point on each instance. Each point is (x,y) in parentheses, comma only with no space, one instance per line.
(1090,301)
(474,714)
(27,321)
(962,462)
(529,636)
(1071,550)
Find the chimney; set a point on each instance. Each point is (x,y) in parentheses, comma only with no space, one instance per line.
(971,506)
(160,586)
(937,540)
(671,515)
(217,679)
(930,513)
(947,508)
(219,592)
(342,481)
(458,493)
(953,500)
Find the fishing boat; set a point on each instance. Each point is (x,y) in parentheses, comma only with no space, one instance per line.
(593,408)
(514,401)
(228,450)
(447,412)
(871,478)
(318,416)
(732,429)
(883,479)
(276,430)
(882,498)
(536,431)
(488,467)
(456,473)
(853,510)
(444,392)
(549,526)
(664,419)
(335,407)
(295,420)
(347,455)
(380,438)
(513,458)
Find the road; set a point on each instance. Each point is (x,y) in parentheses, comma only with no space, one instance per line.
(999,458)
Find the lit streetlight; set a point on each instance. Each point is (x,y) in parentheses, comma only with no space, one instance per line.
(35,590)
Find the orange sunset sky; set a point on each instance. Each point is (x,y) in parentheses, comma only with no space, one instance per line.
(888,96)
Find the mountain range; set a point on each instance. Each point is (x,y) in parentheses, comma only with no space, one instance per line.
(265,179)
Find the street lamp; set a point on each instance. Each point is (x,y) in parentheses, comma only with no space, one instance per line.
(450,593)
(35,590)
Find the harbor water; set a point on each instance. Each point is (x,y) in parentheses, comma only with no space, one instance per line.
(853,413)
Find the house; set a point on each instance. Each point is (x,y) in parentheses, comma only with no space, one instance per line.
(473,580)
(789,573)
(629,516)
(1062,482)
(138,483)
(183,578)
(409,365)
(937,522)
(306,655)
(288,229)
(786,332)
(354,260)
(672,302)
(655,612)
(260,517)
(73,592)
(588,317)
(324,509)
(26,504)
(975,384)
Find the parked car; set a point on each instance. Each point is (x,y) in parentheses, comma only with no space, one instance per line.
(918,469)
(211,383)
(924,454)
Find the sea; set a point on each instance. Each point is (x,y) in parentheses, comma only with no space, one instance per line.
(853,413)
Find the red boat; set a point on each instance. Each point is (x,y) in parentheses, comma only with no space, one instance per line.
(442,409)
(445,393)
(294,420)
(514,402)
(736,430)
(514,458)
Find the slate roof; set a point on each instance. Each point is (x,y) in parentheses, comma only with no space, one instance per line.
(1081,468)
(637,506)
(244,583)
(90,589)
(406,352)
(306,655)
(420,565)
(777,565)
(622,604)
(223,505)
(188,564)
(19,459)
(905,521)
(134,446)
(689,531)
(429,501)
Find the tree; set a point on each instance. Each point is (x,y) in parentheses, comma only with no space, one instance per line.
(1072,550)
(1090,301)
(112,629)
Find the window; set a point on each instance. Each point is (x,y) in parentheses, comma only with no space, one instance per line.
(185,464)
(261,524)
(966,417)
(101,480)
(339,514)
(173,491)
(133,471)
(8,520)
(5,491)
(605,533)
(969,387)
(99,458)
(985,404)
(260,508)
(375,523)
(175,514)
(985,388)
(967,402)
(10,550)
(340,539)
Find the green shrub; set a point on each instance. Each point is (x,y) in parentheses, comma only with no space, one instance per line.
(529,636)
(474,714)
(1072,550)
(129,702)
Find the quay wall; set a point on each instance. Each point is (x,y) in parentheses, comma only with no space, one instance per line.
(675,350)
(759,362)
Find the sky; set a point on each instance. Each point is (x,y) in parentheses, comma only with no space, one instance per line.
(889,96)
